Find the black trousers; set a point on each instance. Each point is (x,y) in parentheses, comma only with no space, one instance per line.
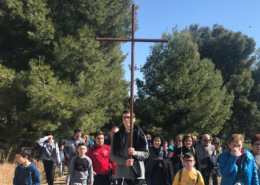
(206,176)
(130,181)
(49,168)
(215,177)
(102,179)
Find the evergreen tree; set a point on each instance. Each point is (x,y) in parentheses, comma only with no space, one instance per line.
(181,93)
(231,52)
(56,76)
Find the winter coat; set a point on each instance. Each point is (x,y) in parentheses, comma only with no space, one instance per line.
(164,175)
(185,150)
(229,169)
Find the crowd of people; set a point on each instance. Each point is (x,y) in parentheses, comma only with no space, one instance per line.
(111,160)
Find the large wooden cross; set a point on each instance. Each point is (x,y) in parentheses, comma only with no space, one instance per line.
(133,40)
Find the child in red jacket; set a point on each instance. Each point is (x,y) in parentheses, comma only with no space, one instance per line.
(102,164)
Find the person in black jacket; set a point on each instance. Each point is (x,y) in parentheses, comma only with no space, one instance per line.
(157,154)
(163,174)
(187,147)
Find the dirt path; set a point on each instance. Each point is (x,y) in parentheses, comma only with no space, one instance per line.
(59,180)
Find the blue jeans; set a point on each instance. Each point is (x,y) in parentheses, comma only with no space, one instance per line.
(148,178)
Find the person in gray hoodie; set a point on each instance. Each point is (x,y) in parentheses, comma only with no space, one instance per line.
(71,145)
(129,171)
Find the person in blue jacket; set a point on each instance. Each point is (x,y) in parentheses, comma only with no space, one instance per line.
(26,173)
(237,165)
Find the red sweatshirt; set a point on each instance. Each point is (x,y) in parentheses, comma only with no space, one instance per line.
(100,159)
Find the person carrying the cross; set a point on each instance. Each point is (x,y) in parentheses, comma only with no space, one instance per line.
(129,171)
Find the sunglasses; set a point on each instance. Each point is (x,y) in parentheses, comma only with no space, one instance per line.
(207,140)
(216,143)
(180,140)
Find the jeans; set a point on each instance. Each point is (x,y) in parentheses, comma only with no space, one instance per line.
(62,164)
(148,178)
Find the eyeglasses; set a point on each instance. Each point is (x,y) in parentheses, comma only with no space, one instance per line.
(257,145)
(126,117)
(216,143)
(207,140)
(188,161)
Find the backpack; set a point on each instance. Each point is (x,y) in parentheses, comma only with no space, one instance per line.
(180,175)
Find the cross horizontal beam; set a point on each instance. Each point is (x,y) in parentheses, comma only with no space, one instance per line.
(131,40)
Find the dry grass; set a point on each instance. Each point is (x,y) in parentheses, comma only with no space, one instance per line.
(7,172)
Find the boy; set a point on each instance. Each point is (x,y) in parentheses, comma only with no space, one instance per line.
(80,168)
(101,162)
(62,160)
(120,152)
(26,172)
(188,175)
(50,155)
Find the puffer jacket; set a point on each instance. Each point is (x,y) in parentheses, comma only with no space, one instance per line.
(229,169)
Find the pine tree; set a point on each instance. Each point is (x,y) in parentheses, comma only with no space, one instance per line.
(181,93)
(231,52)
(57,76)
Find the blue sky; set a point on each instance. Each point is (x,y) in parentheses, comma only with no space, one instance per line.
(156,16)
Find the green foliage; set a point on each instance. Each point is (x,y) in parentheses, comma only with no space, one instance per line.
(231,52)
(255,91)
(54,74)
(181,93)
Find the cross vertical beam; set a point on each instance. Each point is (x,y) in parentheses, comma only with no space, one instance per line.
(132,76)
(133,40)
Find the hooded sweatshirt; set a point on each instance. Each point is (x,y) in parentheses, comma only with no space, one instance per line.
(27,175)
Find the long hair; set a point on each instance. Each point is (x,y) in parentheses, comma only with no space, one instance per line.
(218,147)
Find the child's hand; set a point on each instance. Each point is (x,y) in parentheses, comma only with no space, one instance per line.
(94,173)
(235,152)
(181,157)
(160,165)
